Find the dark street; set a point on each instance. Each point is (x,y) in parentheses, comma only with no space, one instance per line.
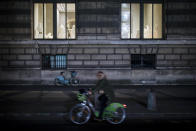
(138,54)
(139,125)
(47,108)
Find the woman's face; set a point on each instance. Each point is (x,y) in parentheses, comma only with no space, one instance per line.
(100,76)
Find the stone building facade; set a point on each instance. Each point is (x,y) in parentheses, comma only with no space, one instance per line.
(21,56)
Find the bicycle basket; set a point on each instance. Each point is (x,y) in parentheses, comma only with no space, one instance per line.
(81,97)
(73,74)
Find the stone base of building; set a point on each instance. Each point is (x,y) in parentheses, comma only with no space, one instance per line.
(88,76)
(175,61)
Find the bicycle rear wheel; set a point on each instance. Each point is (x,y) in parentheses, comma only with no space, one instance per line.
(117,117)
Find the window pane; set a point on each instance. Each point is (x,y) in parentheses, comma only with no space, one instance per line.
(135,60)
(48,21)
(147,20)
(157,21)
(38,21)
(125,21)
(52,62)
(61,20)
(149,60)
(135,20)
(60,61)
(71,26)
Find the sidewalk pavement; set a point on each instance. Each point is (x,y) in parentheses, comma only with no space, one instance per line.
(50,102)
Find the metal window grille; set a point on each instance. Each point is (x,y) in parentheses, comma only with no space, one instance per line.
(54,62)
(143,60)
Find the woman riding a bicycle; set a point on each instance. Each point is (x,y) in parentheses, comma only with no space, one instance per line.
(103,93)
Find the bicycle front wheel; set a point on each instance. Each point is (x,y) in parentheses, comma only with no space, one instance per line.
(80,114)
(117,117)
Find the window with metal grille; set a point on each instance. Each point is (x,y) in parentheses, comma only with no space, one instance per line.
(54,61)
(143,60)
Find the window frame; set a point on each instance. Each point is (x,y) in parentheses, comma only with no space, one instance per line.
(142,18)
(54,2)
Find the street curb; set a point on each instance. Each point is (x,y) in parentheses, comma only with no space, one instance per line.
(51,116)
(133,84)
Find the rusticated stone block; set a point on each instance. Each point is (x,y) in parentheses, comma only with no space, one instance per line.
(91,51)
(16,63)
(172,57)
(31,51)
(114,57)
(134,50)
(9,57)
(82,57)
(70,57)
(32,63)
(188,57)
(165,51)
(3,63)
(17,51)
(4,51)
(106,63)
(126,57)
(91,62)
(36,57)
(192,50)
(107,51)
(160,57)
(24,57)
(122,62)
(75,63)
(122,51)
(75,51)
(180,51)
(98,57)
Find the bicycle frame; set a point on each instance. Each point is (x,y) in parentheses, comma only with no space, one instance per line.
(114,113)
(108,111)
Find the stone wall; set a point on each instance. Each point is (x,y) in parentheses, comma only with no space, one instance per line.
(16,19)
(174,62)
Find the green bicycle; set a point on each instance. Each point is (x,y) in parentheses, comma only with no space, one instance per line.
(114,113)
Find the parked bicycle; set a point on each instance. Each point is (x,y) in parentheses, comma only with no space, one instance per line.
(114,113)
(62,81)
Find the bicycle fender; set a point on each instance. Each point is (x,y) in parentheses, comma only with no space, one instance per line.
(113,106)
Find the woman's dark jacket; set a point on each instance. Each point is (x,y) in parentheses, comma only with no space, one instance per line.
(103,84)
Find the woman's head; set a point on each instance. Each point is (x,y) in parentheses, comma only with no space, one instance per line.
(100,75)
(61,73)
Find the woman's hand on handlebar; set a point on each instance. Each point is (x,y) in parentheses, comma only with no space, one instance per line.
(89,92)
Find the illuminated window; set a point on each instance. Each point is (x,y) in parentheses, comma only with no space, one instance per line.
(151,21)
(48,21)
(147,20)
(38,21)
(44,19)
(157,20)
(125,21)
(66,21)
(130,21)
(135,24)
